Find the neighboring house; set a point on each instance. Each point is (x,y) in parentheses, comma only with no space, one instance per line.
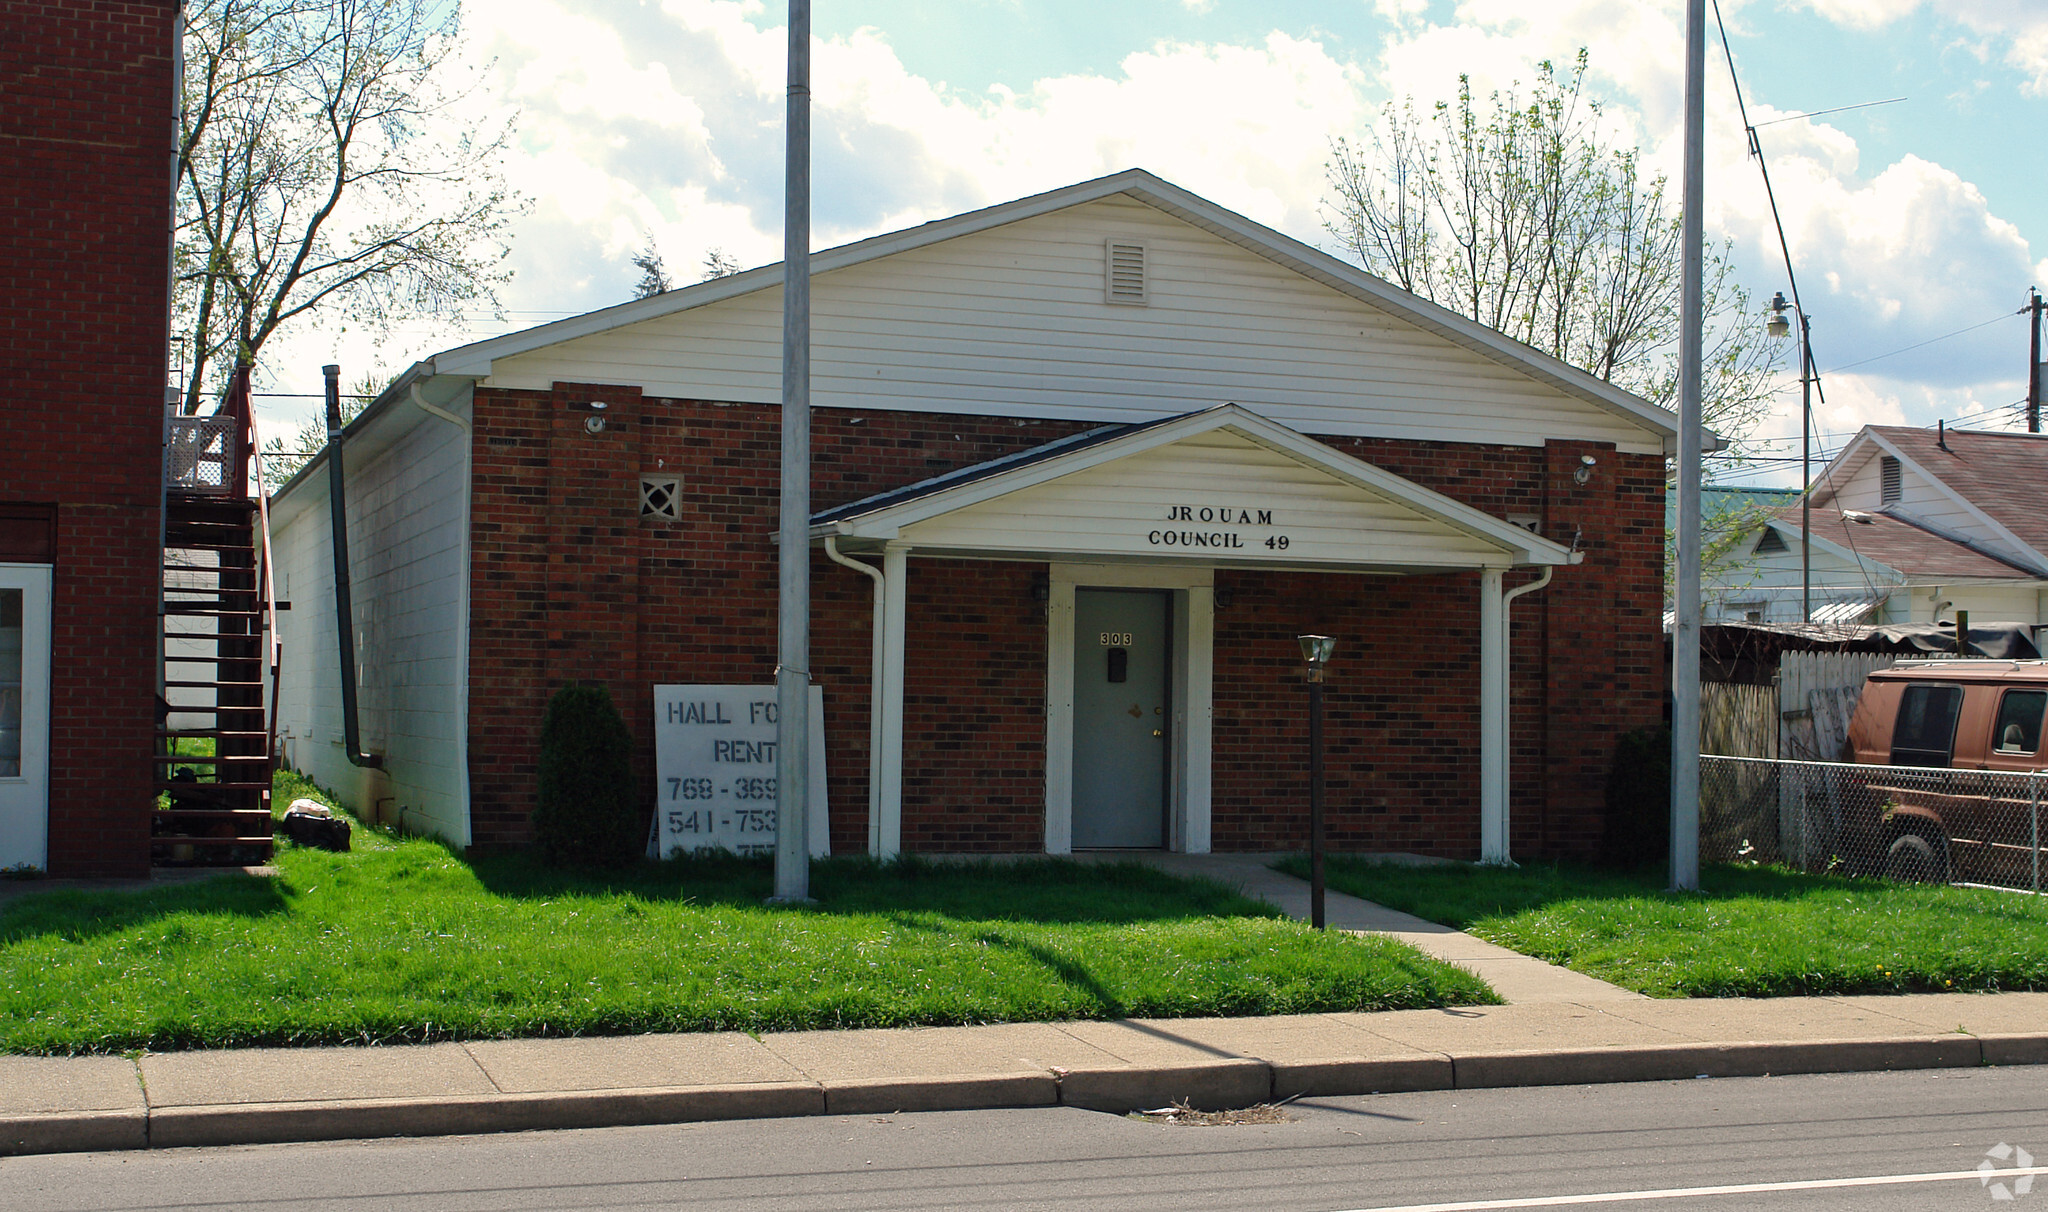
(1109,449)
(87,126)
(1909,526)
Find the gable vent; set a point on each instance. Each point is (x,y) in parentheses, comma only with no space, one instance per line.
(1888,479)
(1770,542)
(1126,273)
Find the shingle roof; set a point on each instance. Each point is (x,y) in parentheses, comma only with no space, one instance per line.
(1900,545)
(2003,474)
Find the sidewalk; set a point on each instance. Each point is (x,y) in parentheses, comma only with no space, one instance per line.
(1588,1032)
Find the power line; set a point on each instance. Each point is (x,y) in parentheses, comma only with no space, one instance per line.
(1929,341)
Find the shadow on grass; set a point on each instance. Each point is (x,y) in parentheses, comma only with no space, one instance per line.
(1047,890)
(1459,895)
(79,914)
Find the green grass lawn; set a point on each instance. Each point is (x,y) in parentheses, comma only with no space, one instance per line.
(402,940)
(1749,932)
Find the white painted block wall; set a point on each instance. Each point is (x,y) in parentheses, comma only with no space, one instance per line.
(407,539)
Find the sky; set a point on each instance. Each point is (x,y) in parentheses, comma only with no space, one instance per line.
(1911,225)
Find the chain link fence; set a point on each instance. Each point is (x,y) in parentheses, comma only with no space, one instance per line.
(1893,822)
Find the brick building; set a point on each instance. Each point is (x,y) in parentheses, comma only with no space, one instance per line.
(1096,458)
(87,120)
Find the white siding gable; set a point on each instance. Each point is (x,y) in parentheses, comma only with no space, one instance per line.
(1014,321)
(1217,498)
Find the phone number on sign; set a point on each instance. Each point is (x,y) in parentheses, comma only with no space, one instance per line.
(704,789)
(704,820)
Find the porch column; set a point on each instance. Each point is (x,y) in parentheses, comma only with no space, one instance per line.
(1493,720)
(889,753)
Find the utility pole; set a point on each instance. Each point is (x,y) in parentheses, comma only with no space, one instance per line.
(1805,467)
(2034,305)
(793,610)
(1685,631)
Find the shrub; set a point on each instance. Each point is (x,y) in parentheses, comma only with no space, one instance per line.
(1639,799)
(587,816)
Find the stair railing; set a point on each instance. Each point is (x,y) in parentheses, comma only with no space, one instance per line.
(273,643)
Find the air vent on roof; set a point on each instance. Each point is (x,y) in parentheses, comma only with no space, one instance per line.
(1770,542)
(1125,280)
(1888,479)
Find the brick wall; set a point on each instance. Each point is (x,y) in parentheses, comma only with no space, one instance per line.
(1402,723)
(570,583)
(86,125)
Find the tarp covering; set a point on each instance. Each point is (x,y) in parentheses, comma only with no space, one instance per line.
(2006,641)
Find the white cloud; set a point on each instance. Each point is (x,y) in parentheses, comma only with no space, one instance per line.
(2014,31)
(668,120)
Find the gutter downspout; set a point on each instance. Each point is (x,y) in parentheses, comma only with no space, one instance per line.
(344,616)
(876,692)
(1497,705)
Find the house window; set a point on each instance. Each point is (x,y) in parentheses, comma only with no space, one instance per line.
(658,496)
(1888,479)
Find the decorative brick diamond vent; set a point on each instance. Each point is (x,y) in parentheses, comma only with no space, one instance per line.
(658,496)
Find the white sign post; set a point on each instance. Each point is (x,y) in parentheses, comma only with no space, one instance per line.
(714,758)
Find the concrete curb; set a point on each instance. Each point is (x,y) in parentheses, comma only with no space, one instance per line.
(1209,1085)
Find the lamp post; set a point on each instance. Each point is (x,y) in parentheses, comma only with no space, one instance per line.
(1780,325)
(1315,650)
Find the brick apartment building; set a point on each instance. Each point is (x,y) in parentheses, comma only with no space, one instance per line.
(1099,456)
(87,121)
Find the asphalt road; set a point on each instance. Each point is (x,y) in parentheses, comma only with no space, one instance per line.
(1552,1147)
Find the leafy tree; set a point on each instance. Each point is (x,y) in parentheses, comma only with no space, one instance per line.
(323,171)
(1523,215)
(653,274)
(718,263)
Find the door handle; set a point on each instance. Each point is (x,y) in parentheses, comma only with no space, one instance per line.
(1158,732)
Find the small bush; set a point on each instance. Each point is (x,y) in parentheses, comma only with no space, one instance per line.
(1639,799)
(586,816)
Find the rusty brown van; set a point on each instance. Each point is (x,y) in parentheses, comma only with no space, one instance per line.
(1979,721)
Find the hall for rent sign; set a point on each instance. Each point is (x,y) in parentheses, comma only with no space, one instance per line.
(714,760)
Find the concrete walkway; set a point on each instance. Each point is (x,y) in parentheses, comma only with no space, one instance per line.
(263,1095)
(1514,976)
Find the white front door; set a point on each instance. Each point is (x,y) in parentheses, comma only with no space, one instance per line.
(24,716)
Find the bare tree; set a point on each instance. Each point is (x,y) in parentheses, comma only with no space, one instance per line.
(653,274)
(324,172)
(1525,217)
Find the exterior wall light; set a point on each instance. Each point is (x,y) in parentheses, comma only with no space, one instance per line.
(1584,471)
(1316,651)
(594,423)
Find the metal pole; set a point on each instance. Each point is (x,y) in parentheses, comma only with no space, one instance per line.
(1685,639)
(2034,365)
(2034,785)
(1805,471)
(793,618)
(1315,798)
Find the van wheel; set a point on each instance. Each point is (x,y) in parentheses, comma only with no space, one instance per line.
(1915,858)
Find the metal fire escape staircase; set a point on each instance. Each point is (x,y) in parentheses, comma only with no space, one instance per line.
(219,614)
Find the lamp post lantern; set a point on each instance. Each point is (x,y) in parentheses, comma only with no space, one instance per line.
(1780,325)
(1315,650)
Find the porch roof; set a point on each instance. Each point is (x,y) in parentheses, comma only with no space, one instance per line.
(1221,487)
